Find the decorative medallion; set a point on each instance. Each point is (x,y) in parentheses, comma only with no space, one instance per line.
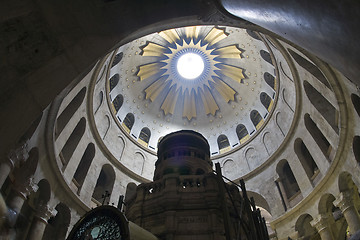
(190,65)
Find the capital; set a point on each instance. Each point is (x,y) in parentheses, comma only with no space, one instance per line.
(345,200)
(322,221)
(26,186)
(44,212)
(20,154)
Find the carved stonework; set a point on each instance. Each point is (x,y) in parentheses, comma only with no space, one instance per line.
(25,186)
(44,212)
(322,222)
(18,155)
(344,200)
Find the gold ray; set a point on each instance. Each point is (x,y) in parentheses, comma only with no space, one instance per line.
(169,103)
(208,100)
(169,35)
(232,72)
(270,105)
(215,35)
(155,89)
(148,70)
(153,49)
(225,90)
(244,139)
(189,110)
(192,32)
(229,52)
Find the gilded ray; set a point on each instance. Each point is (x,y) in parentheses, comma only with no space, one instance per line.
(189,110)
(225,90)
(260,124)
(155,89)
(215,35)
(228,52)
(168,106)
(192,32)
(153,49)
(208,100)
(235,73)
(148,70)
(170,35)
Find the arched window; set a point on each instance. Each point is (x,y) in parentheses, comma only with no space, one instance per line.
(356,148)
(117,59)
(118,102)
(325,108)
(356,102)
(266,56)
(256,119)
(69,111)
(104,183)
(317,135)
(72,142)
(306,159)
(270,80)
(128,122)
(253,34)
(266,100)
(144,136)
(311,68)
(84,165)
(287,179)
(223,143)
(242,133)
(114,80)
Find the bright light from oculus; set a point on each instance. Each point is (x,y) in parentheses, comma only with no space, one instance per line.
(190,65)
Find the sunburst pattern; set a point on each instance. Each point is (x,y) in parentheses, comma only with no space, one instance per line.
(166,79)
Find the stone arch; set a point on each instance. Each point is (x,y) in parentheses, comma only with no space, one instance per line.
(310,67)
(266,56)
(117,59)
(286,98)
(355,99)
(270,80)
(28,168)
(266,101)
(229,167)
(325,108)
(72,142)
(269,143)
(58,225)
(242,133)
(318,136)
(138,162)
(84,165)
(252,158)
(306,160)
(260,201)
(105,182)
(114,80)
(118,102)
(69,111)
(128,122)
(256,119)
(278,122)
(104,128)
(326,203)
(345,182)
(144,136)
(304,228)
(356,148)
(98,101)
(223,143)
(287,179)
(43,194)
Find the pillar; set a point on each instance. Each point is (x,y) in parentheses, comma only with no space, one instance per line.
(323,224)
(346,204)
(39,222)
(8,163)
(17,197)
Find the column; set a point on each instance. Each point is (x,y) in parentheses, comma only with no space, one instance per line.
(17,197)
(8,163)
(39,222)
(282,192)
(346,204)
(323,223)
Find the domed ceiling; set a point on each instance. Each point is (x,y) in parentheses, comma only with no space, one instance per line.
(218,81)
